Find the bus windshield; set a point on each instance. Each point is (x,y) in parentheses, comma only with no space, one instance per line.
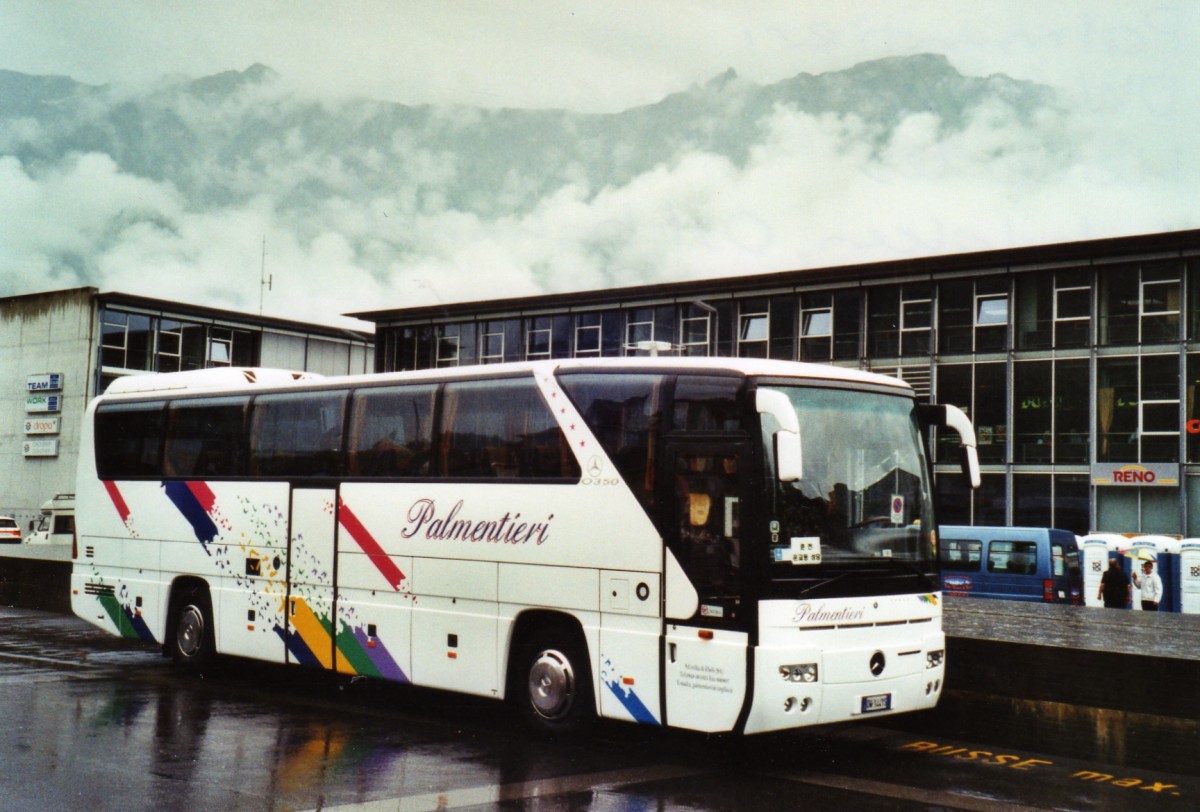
(861,515)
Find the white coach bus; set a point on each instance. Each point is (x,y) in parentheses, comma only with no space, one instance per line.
(710,544)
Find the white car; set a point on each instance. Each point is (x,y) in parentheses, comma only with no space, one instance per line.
(10,533)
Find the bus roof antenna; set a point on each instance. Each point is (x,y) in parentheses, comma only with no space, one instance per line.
(264,281)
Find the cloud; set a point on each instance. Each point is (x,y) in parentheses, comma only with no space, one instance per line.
(383,224)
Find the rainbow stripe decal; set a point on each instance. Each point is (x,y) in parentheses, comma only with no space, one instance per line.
(310,643)
(195,501)
(360,654)
(129,624)
(382,561)
(117,499)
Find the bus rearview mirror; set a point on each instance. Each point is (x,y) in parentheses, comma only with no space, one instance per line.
(945,416)
(789,460)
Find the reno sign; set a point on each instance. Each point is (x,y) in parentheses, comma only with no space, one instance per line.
(1153,475)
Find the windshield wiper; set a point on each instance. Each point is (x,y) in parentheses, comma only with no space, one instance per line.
(826,582)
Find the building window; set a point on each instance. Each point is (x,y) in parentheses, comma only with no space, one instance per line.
(1045,500)
(125,341)
(883,322)
(447,349)
(1072,309)
(587,335)
(900,321)
(986,506)
(1137,409)
(753,328)
(973,316)
(1192,425)
(1140,304)
(695,329)
(639,330)
(539,337)
(981,390)
(916,320)
(170,347)
(847,324)
(1033,412)
(491,343)
(1050,419)
(816,327)
(220,347)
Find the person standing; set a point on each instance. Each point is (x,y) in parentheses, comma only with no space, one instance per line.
(1114,586)
(1150,587)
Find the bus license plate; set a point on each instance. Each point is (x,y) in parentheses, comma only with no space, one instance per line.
(876,703)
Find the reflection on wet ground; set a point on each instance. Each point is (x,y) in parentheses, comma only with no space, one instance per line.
(92,722)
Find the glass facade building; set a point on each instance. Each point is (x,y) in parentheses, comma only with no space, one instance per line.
(1077,362)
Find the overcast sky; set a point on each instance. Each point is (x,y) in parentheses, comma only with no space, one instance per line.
(1127,69)
(597,56)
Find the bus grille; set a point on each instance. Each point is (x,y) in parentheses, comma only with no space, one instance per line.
(101,590)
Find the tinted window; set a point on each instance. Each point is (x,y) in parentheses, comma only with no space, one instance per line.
(391,431)
(129,440)
(205,437)
(502,428)
(624,412)
(1013,557)
(961,555)
(297,434)
(707,404)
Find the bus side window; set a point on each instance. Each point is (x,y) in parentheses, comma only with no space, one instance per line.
(501,429)
(391,431)
(206,437)
(129,439)
(625,414)
(297,434)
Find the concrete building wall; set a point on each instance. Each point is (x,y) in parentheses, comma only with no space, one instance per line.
(44,333)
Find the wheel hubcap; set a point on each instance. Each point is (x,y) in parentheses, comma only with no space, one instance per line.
(551,685)
(190,636)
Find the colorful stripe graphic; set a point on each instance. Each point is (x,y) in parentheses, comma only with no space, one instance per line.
(367,656)
(310,644)
(129,624)
(195,501)
(382,561)
(309,640)
(118,501)
(632,703)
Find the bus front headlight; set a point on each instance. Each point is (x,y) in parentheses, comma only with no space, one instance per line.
(934,658)
(805,672)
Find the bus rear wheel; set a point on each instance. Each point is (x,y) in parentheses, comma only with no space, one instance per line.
(191,644)
(555,693)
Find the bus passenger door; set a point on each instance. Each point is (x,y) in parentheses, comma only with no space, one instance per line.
(706,653)
(310,606)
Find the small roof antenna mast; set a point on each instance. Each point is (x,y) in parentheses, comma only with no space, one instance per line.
(264,280)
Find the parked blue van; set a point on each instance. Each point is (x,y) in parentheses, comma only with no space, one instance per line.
(1014,563)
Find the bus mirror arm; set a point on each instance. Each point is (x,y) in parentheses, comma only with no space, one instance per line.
(789,460)
(943,415)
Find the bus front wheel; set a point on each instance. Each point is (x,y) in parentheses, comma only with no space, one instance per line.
(556,694)
(191,644)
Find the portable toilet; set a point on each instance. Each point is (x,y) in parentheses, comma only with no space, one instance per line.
(1189,577)
(1157,549)
(1095,548)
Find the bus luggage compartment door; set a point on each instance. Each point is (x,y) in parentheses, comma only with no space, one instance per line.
(310,609)
(706,677)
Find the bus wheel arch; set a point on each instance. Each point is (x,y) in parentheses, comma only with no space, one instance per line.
(550,673)
(190,639)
